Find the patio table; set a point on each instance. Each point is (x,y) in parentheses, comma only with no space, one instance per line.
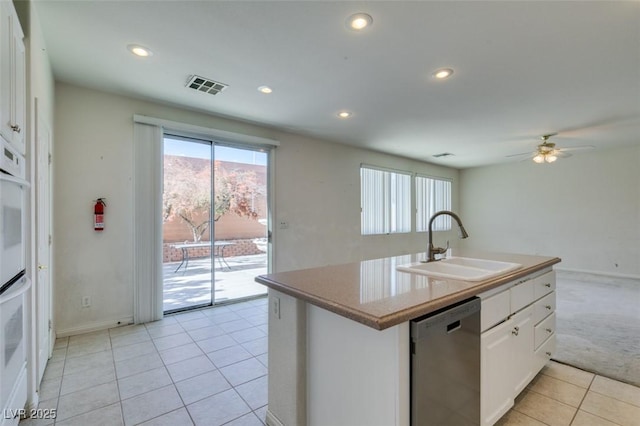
(218,251)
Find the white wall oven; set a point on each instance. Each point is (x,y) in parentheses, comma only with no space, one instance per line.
(13,353)
(14,284)
(13,199)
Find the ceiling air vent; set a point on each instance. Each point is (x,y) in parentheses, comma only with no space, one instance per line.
(444,154)
(206,85)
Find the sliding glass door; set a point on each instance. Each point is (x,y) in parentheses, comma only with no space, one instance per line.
(240,222)
(186,230)
(214,222)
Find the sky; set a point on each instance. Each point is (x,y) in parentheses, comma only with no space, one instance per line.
(199,149)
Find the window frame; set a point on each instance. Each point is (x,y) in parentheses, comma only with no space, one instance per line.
(424,210)
(386,221)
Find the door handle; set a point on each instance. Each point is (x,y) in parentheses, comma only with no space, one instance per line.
(42,267)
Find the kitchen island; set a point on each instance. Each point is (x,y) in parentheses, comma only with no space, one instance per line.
(339,335)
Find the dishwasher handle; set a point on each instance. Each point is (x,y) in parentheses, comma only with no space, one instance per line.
(446,320)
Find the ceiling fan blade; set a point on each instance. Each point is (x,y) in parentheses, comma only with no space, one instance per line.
(577,148)
(522,153)
(617,120)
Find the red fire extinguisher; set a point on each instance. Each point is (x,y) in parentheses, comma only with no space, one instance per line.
(98,215)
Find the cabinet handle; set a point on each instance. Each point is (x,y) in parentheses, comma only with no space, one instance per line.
(15,128)
(515,331)
(548,285)
(548,307)
(549,330)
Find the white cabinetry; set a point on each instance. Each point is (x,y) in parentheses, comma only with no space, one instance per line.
(518,338)
(12,77)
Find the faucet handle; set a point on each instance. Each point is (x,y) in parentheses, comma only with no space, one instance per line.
(444,251)
(433,251)
(447,251)
(441,250)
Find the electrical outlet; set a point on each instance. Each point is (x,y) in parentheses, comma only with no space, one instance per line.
(276,307)
(284,224)
(86,301)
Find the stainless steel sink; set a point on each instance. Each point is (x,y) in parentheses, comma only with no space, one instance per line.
(461,268)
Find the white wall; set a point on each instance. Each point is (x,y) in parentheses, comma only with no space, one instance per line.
(584,209)
(316,192)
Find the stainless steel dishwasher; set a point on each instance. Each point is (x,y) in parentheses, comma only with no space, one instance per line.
(445,366)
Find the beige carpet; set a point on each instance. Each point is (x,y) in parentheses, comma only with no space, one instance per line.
(598,325)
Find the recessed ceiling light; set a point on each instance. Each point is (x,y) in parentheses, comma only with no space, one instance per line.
(345,114)
(265,89)
(138,50)
(443,73)
(359,21)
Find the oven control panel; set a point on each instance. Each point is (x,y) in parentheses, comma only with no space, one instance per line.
(11,161)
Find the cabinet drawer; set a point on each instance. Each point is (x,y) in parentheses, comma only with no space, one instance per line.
(544,307)
(494,310)
(543,354)
(545,329)
(544,284)
(522,295)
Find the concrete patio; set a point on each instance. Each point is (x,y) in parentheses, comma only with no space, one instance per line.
(234,279)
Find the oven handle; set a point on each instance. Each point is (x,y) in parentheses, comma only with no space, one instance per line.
(15,291)
(19,181)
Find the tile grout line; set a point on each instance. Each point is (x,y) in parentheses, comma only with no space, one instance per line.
(184,404)
(64,366)
(115,374)
(583,398)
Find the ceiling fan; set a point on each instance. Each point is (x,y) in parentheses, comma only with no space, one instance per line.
(547,152)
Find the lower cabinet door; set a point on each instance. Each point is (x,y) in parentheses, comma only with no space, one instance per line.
(507,364)
(496,378)
(523,366)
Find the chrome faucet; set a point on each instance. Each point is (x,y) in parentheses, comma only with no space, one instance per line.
(432,251)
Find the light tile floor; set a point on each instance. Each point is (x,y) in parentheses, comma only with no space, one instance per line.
(209,367)
(205,367)
(562,395)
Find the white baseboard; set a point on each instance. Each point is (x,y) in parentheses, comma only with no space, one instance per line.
(272,420)
(595,276)
(93,326)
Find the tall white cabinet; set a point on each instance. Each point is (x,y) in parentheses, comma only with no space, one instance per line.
(12,78)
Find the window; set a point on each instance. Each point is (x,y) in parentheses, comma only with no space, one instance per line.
(432,195)
(385,201)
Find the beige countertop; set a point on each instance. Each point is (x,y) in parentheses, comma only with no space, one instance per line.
(374,293)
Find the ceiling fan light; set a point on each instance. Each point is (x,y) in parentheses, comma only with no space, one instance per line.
(538,159)
(550,158)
